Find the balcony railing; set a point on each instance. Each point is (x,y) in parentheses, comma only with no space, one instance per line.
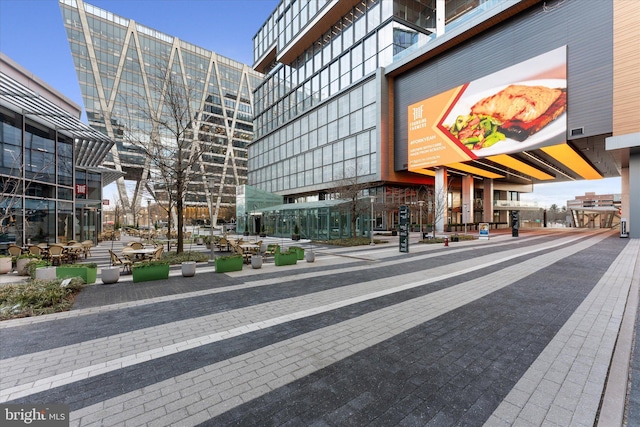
(514,204)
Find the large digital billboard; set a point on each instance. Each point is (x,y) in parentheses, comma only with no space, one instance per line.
(522,107)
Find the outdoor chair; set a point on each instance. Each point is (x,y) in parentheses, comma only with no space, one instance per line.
(235,247)
(127,253)
(35,250)
(56,254)
(86,245)
(246,256)
(271,250)
(157,255)
(14,250)
(74,252)
(116,260)
(222,244)
(136,245)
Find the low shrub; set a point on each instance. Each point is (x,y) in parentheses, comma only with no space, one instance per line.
(81,265)
(37,297)
(461,237)
(175,258)
(144,264)
(353,241)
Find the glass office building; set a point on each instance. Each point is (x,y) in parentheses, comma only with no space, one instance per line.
(120,65)
(322,113)
(50,176)
(342,76)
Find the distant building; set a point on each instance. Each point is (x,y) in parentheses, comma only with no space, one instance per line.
(50,176)
(120,66)
(595,210)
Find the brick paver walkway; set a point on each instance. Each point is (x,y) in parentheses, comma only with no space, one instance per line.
(510,331)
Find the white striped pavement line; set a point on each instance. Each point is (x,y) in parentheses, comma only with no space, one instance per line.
(45,363)
(248,284)
(212,390)
(115,364)
(569,375)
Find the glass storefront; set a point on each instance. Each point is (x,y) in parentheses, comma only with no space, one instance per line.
(37,195)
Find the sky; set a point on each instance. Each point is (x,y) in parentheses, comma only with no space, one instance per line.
(32,34)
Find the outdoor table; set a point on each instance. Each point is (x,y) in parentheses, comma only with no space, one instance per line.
(250,248)
(141,254)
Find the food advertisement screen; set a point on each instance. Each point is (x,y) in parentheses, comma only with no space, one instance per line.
(519,108)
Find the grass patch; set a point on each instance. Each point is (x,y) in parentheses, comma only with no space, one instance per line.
(353,241)
(37,297)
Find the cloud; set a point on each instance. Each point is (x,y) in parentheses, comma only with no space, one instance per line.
(559,192)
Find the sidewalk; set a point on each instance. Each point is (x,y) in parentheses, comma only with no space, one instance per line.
(510,331)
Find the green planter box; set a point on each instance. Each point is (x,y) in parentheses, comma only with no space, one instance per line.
(228,263)
(299,251)
(150,272)
(286,258)
(88,274)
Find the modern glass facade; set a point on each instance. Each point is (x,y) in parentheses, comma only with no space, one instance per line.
(50,183)
(322,112)
(121,65)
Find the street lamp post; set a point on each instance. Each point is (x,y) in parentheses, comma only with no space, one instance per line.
(211,183)
(373,198)
(149,218)
(420,204)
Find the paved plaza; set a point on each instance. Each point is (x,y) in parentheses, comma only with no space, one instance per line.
(527,331)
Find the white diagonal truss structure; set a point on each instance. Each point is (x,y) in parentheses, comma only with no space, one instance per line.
(120,63)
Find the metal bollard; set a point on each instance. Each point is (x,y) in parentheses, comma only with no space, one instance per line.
(446,241)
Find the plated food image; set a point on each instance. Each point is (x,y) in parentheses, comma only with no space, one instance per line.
(516,112)
(477,131)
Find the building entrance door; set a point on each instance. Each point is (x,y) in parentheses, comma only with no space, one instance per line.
(86,224)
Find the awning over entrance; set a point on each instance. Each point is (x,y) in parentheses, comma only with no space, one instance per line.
(90,146)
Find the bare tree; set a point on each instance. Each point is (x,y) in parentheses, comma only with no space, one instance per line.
(117,213)
(169,145)
(437,204)
(10,201)
(12,190)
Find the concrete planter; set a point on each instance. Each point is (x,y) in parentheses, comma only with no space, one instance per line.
(188,268)
(21,266)
(88,274)
(46,273)
(285,258)
(110,275)
(5,264)
(147,273)
(299,252)
(256,261)
(310,256)
(228,264)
